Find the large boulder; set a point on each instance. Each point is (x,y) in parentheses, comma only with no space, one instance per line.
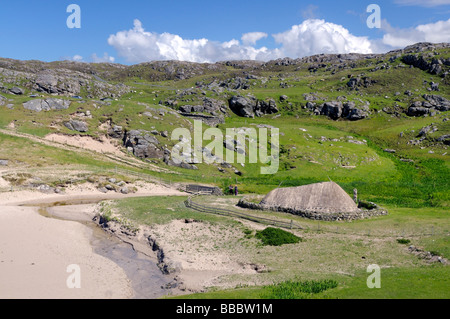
(39,105)
(267,107)
(243,106)
(78,126)
(46,82)
(333,110)
(250,106)
(354,113)
(143,144)
(16,91)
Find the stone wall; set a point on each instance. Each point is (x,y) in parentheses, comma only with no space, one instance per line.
(341,216)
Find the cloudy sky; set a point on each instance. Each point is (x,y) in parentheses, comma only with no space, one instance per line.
(136,31)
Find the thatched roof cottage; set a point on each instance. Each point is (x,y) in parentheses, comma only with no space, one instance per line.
(321,198)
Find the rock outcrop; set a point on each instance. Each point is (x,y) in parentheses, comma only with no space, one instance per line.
(336,110)
(39,105)
(431,104)
(143,144)
(251,107)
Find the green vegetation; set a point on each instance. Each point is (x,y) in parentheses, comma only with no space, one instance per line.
(276,237)
(396,283)
(403,241)
(298,289)
(411,183)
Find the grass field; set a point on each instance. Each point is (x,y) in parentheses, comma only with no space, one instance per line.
(339,251)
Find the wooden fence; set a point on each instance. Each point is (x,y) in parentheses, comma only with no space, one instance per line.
(226,212)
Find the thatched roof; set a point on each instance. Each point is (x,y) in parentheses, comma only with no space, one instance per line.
(326,197)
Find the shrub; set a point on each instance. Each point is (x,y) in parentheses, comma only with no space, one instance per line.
(276,237)
(299,289)
(403,241)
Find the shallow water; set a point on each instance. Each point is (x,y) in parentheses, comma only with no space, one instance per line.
(146,278)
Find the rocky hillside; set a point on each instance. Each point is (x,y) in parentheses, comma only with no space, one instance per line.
(396,101)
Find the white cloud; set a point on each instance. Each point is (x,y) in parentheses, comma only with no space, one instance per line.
(311,37)
(316,36)
(252,37)
(77,58)
(433,32)
(137,45)
(103,59)
(423,3)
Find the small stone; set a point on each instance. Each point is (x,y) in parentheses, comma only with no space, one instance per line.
(109,187)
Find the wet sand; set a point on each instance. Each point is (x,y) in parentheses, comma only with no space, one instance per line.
(142,270)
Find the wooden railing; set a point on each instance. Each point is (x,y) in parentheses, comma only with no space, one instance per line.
(226,212)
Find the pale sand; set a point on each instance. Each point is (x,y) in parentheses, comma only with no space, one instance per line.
(104,145)
(35,253)
(85,191)
(199,251)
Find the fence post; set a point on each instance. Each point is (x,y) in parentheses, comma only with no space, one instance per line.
(292,224)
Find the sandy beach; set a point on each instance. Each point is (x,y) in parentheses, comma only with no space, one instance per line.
(36,252)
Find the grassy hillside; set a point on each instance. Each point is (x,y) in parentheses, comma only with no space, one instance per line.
(396,160)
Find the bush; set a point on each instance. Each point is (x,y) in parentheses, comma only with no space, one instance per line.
(276,237)
(299,289)
(403,241)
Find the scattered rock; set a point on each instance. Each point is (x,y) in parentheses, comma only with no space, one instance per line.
(103,190)
(444,139)
(427,130)
(16,91)
(46,189)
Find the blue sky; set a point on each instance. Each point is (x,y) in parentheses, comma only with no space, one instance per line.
(135,31)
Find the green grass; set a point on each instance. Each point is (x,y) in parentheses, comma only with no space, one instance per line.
(162,210)
(430,282)
(298,289)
